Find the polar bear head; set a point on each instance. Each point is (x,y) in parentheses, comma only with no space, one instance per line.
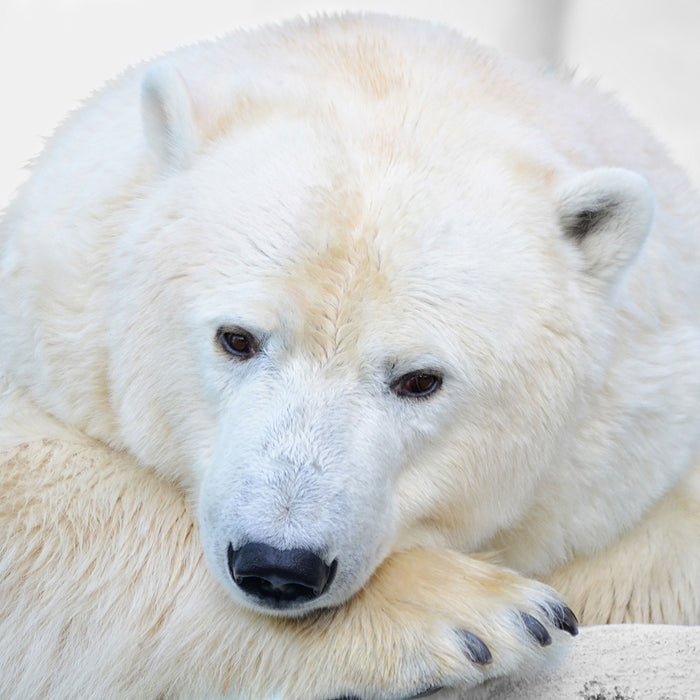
(358,332)
(350,312)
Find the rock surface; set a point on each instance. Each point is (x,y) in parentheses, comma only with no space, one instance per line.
(614,662)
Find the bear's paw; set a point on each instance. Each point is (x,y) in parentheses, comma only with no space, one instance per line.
(435,619)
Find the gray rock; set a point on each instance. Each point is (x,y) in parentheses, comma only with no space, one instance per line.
(612,662)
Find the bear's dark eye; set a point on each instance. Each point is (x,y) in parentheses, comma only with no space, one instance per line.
(417,385)
(238,343)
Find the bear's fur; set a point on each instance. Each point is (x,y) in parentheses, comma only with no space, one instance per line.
(356,288)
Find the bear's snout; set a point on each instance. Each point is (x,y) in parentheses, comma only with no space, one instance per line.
(279,578)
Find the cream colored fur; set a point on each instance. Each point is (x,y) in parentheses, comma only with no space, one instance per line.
(366,198)
(106,590)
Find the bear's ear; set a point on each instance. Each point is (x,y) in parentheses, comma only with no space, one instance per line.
(607,212)
(168,116)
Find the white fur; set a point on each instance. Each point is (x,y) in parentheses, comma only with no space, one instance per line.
(368,197)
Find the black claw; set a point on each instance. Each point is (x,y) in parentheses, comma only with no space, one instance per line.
(425,693)
(568,621)
(536,629)
(474,648)
(563,618)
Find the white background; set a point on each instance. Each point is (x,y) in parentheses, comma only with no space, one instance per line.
(53,53)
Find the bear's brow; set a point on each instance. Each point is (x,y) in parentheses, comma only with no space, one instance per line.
(333,283)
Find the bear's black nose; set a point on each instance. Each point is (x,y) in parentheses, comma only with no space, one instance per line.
(279,576)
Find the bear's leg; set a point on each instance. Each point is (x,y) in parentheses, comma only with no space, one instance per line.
(104,592)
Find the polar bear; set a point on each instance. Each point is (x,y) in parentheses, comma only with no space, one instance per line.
(326,351)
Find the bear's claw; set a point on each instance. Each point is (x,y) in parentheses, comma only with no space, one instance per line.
(475,649)
(563,618)
(536,629)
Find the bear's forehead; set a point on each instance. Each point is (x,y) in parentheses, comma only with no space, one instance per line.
(318,182)
(348,212)
(350,226)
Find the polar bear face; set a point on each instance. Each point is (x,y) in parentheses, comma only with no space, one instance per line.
(341,345)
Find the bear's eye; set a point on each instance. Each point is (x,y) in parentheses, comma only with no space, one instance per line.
(238,343)
(417,385)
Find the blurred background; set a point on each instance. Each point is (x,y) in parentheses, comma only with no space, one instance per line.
(53,53)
